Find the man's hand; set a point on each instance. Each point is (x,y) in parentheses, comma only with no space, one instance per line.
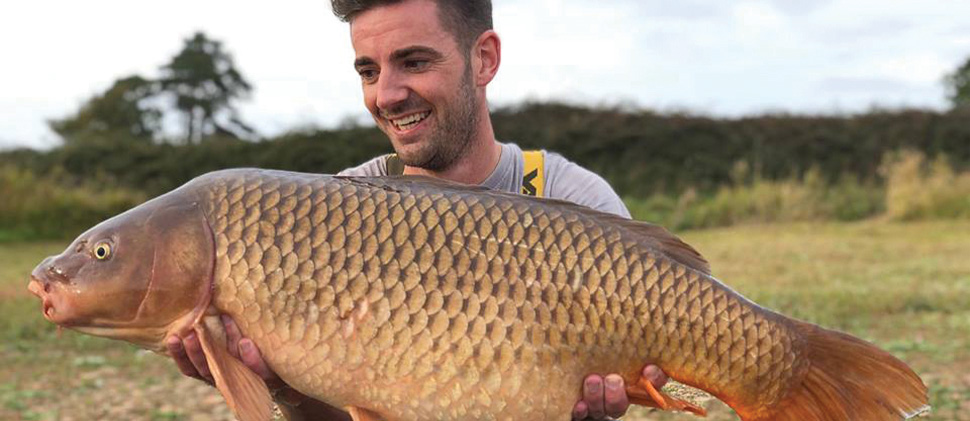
(606,397)
(191,361)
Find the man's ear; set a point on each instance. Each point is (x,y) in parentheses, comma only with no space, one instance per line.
(486,57)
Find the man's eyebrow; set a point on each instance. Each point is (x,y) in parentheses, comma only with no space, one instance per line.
(405,52)
(401,54)
(363,61)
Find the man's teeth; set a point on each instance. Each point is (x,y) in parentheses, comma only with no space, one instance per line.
(410,121)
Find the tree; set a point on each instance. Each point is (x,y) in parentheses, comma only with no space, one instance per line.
(125,108)
(958,86)
(204,82)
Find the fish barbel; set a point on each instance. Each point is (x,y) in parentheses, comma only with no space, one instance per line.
(417,299)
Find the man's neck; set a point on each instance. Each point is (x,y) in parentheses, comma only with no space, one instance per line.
(474,166)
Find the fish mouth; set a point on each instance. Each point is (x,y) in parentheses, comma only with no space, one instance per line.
(44,290)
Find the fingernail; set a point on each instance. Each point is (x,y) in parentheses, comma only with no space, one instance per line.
(613,383)
(225,319)
(246,345)
(593,385)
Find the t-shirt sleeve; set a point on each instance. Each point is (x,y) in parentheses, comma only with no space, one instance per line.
(568,181)
(373,168)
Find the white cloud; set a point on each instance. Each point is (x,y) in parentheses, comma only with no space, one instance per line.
(918,68)
(757,17)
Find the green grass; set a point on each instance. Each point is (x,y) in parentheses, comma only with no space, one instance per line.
(904,286)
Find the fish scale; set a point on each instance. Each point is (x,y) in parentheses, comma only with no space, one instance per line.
(417,299)
(347,293)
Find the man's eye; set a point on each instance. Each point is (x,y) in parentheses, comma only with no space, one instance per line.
(415,64)
(367,75)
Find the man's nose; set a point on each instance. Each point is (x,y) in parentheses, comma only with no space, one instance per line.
(391,90)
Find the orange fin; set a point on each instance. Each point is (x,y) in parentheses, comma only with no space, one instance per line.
(847,379)
(360,414)
(644,394)
(245,393)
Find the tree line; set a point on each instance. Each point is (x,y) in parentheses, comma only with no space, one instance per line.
(640,152)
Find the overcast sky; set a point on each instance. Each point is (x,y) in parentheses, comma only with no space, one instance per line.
(713,57)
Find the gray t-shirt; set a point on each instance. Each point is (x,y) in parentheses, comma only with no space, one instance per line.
(563,179)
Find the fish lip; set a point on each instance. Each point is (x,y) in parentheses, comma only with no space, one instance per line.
(42,289)
(34,286)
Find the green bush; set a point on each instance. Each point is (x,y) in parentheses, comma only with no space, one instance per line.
(640,152)
(807,199)
(764,201)
(920,189)
(51,206)
(915,189)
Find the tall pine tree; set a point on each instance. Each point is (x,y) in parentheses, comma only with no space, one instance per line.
(205,84)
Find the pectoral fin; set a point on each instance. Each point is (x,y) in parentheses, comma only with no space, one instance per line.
(245,393)
(361,414)
(644,394)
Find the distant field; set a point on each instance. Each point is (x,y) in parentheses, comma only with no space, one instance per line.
(904,286)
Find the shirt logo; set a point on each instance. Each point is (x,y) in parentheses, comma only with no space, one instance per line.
(527,187)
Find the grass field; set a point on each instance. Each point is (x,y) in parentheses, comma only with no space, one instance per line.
(905,287)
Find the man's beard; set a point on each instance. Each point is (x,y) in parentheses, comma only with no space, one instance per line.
(450,139)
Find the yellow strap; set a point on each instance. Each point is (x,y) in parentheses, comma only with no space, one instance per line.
(533,180)
(394,165)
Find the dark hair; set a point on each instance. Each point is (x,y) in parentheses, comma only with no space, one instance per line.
(465,19)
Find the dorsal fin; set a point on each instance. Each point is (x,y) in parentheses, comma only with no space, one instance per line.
(653,236)
(665,242)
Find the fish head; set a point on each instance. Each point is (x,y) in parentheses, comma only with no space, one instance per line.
(138,276)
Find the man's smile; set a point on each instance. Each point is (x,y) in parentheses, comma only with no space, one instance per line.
(409,121)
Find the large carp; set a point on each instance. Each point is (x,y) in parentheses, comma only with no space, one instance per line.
(415,299)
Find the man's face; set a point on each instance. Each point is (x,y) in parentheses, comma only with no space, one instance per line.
(417,84)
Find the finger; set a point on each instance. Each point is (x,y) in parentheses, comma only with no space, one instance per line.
(194,350)
(593,395)
(233,335)
(177,351)
(580,411)
(655,376)
(250,356)
(616,401)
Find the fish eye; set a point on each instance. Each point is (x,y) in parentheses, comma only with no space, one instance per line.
(102,251)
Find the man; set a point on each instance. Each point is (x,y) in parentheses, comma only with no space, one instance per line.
(424,66)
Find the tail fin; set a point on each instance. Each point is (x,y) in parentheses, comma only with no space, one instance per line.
(848,379)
